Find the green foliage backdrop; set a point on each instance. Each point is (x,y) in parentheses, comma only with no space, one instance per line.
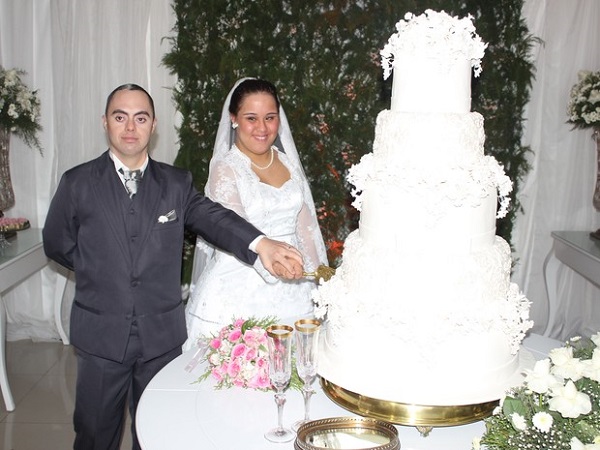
(324,58)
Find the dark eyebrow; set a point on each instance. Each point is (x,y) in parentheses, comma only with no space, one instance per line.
(139,113)
(272,113)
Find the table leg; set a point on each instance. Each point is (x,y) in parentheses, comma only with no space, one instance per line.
(551,266)
(59,292)
(6,393)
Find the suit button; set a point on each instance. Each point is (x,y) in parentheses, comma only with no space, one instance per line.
(135,283)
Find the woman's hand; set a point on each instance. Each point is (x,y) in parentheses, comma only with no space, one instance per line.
(280,259)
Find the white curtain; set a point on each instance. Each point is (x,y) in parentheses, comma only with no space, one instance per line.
(557,194)
(75,52)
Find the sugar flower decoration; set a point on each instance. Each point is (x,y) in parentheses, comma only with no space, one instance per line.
(456,39)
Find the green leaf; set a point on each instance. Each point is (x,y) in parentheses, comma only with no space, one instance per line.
(514,405)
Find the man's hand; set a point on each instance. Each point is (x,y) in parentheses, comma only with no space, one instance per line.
(280,259)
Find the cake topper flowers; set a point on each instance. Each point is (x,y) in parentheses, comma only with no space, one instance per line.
(19,107)
(557,407)
(584,105)
(415,34)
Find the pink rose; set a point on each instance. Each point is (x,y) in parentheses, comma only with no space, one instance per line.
(251,354)
(215,343)
(217,375)
(238,350)
(238,323)
(259,382)
(235,335)
(234,368)
(252,336)
(262,363)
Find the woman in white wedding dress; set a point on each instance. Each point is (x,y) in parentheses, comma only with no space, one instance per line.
(255,171)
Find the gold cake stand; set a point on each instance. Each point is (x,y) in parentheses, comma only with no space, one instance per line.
(423,417)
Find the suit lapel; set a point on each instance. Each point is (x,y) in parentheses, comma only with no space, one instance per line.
(108,190)
(148,199)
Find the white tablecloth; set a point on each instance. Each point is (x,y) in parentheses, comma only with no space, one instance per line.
(177,414)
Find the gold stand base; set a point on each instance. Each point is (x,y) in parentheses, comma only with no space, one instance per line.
(421,416)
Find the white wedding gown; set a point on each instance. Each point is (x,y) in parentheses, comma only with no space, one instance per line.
(228,289)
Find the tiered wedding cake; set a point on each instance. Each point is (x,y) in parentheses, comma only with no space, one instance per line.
(422,310)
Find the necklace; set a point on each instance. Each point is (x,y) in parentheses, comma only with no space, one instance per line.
(268,165)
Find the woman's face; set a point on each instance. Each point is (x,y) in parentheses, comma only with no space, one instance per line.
(258,123)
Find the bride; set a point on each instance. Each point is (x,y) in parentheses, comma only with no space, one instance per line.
(255,171)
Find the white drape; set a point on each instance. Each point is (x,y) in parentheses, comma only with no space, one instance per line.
(557,194)
(77,51)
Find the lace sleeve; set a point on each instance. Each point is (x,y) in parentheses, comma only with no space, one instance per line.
(310,240)
(222,186)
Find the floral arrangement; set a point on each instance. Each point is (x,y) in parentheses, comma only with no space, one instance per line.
(19,107)
(456,38)
(584,104)
(557,407)
(238,356)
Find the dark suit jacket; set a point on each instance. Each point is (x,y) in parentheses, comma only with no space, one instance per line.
(127,258)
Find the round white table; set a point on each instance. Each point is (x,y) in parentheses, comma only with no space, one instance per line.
(178,414)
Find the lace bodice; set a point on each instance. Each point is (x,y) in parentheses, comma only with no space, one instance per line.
(280,213)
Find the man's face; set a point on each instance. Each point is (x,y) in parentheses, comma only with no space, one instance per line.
(129,124)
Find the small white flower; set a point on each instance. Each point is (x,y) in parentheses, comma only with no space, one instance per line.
(591,367)
(565,366)
(569,402)
(542,421)
(576,444)
(476,443)
(540,379)
(518,421)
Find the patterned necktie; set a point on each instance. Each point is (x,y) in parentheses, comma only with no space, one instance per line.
(132,180)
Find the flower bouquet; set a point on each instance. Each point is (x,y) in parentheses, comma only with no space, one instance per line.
(557,407)
(584,105)
(238,356)
(19,108)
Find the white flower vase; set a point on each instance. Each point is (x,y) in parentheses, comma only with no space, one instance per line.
(596,198)
(7,195)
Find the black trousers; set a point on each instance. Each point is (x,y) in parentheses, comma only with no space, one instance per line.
(103,388)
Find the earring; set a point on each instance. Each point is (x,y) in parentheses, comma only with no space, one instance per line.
(234,125)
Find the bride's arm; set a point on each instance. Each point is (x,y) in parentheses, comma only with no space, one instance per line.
(222,186)
(308,233)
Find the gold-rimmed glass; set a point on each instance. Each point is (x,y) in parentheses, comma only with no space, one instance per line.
(279,342)
(307,354)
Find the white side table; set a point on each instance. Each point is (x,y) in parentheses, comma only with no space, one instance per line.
(577,250)
(18,261)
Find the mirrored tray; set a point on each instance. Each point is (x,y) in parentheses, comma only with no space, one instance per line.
(347,433)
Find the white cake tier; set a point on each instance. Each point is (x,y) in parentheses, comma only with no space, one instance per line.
(449,289)
(457,370)
(429,140)
(411,220)
(425,165)
(447,84)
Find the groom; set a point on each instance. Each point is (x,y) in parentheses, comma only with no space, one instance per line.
(127,320)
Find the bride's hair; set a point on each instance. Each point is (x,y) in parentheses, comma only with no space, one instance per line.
(251,86)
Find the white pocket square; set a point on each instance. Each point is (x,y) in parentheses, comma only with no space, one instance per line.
(168,217)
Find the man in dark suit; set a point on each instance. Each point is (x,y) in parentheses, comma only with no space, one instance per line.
(124,244)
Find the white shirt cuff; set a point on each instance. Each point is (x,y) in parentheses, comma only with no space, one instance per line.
(255,242)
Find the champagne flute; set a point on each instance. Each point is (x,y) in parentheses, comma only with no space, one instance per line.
(307,349)
(279,341)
